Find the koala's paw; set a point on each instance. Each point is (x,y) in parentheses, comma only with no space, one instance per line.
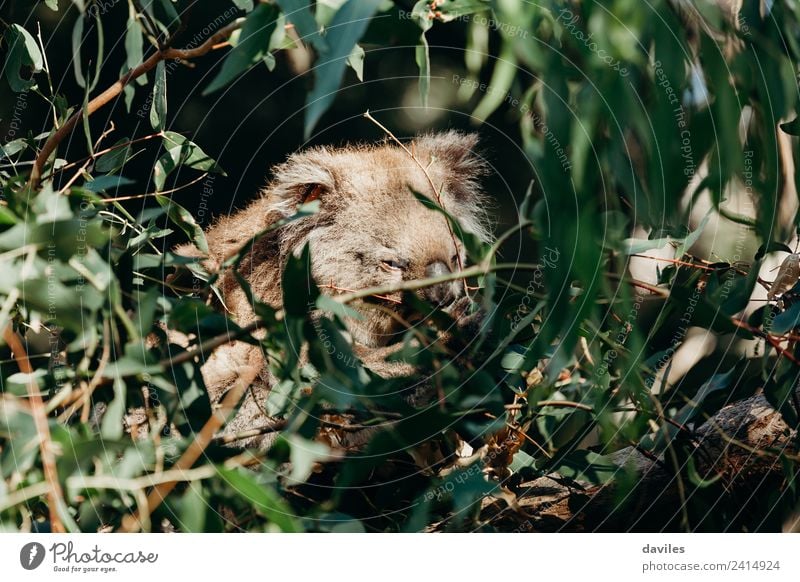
(469,320)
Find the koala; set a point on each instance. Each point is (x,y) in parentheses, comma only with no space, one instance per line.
(370,230)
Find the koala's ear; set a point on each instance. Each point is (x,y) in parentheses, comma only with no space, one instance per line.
(451,159)
(453,154)
(304,177)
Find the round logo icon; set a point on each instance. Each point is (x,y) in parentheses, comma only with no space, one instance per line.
(31,555)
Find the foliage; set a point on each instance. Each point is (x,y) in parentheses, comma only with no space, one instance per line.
(627,115)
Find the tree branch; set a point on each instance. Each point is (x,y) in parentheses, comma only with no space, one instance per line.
(55,497)
(740,446)
(114,90)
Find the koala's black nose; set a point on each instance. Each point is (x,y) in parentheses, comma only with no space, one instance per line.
(443,293)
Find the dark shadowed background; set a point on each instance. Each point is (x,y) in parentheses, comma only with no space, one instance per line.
(258,120)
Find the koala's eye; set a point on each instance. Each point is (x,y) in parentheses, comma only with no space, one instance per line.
(312,192)
(394,265)
(454,260)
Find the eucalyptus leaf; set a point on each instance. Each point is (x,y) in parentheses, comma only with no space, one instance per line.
(184,220)
(299,14)
(158,105)
(23,54)
(251,48)
(344,32)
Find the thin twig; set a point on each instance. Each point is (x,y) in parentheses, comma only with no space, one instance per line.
(413,285)
(274,426)
(85,164)
(152,194)
(202,439)
(98,375)
(210,345)
(675,262)
(112,148)
(333,287)
(565,404)
(116,88)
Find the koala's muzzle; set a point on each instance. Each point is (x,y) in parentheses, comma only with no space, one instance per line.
(443,293)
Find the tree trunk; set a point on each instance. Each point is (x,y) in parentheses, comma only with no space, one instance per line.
(739,447)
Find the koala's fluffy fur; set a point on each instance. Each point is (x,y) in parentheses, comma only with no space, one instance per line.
(368,223)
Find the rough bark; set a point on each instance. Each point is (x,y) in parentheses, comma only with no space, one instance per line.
(739,445)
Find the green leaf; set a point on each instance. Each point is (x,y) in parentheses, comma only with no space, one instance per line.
(158,107)
(300,292)
(116,158)
(184,220)
(771,247)
(423,59)
(717,383)
(449,10)
(22,52)
(503,75)
(587,466)
(6,216)
(105,183)
(265,500)
(345,30)
(77,44)
(50,206)
(246,5)
(475,248)
(52,4)
(303,455)
(791,127)
(112,427)
(169,10)
(787,320)
(329,304)
(134,47)
(181,152)
(192,509)
(633,246)
(421,15)
(298,13)
(251,48)
(696,478)
(13,147)
(356,61)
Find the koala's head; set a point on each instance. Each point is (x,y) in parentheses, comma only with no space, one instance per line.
(371,230)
